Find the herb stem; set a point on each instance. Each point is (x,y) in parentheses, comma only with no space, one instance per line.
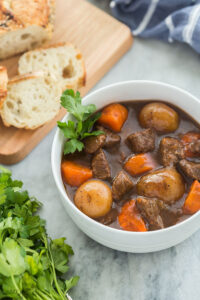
(17,288)
(44,296)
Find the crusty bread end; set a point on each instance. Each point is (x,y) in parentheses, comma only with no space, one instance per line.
(3,84)
(25,25)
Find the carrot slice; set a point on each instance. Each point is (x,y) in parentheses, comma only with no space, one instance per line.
(188,138)
(74,174)
(139,164)
(113,116)
(130,219)
(192,202)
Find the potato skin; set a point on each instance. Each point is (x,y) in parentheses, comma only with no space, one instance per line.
(165,184)
(159,116)
(94,198)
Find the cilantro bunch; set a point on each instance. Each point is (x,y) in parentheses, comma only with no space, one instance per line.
(81,127)
(31,264)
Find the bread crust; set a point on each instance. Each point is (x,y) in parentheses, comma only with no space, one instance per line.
(23,77)
(15,14)
(27,15)
(3,84)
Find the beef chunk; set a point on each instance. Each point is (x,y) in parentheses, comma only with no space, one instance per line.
(194,147)
(121,185)
(110,217)
(190,168)
(142,141)
(100,166)
(94,143)
(112,139)
(171,151)
(150,211)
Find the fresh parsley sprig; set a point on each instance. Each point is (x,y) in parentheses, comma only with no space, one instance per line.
(31,264)
(84,120)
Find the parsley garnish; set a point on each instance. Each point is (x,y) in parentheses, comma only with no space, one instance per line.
(84,120)
(31,264)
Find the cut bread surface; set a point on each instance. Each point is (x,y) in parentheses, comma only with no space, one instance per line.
(24,25)
(32,100)
(63,61)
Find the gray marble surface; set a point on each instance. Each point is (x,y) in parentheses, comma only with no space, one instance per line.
(105,274)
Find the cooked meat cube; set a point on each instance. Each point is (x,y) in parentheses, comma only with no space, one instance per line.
(94,143)
(191,142)
(176,211)
(194,147)
(110,217)
(171,151)
(191,169)
(121,185)
(150,211)
(112,139)
(100,166)
(142,141)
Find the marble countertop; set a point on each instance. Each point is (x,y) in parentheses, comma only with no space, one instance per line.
(106,274)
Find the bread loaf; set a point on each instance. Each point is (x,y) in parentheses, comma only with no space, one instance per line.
(24,25)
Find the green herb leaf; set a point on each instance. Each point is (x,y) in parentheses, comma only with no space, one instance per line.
(76,131)
(31,266)
(71,283)
(11,259)
(68,129)
(73,145)
(5,170)
(94,133)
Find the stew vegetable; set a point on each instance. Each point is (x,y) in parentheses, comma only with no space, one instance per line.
(139,169)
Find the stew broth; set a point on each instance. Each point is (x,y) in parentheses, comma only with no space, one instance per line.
(117,155)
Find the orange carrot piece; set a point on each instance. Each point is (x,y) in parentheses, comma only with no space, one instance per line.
(192,202)
(139,164)
(130,218)
(113,116)
(74,174)
(188,138)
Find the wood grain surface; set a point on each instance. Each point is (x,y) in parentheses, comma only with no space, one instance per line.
(101,39)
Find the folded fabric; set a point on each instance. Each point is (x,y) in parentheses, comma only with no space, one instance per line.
(168,20)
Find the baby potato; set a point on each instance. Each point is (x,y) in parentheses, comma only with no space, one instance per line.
(94,198)
(165,184)
(159,116)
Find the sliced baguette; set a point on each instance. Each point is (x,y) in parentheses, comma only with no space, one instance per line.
(25,25)
(32,100)
(3,84)
(64,61)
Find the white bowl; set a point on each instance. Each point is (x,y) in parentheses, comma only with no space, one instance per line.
(136,242)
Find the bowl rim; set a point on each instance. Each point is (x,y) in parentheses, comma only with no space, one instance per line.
(60,184)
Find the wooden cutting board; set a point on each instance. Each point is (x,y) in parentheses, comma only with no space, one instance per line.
(101,39)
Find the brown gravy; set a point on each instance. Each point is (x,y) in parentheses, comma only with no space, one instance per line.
(115,158)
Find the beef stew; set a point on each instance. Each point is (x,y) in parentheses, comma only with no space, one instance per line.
(148,163)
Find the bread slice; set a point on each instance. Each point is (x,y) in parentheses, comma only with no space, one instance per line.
(3,84)
(64,61)
(24,25)
(32,100)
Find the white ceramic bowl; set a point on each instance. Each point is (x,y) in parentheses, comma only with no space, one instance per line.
(136,242)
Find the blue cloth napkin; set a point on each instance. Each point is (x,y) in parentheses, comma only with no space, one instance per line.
(168,20)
